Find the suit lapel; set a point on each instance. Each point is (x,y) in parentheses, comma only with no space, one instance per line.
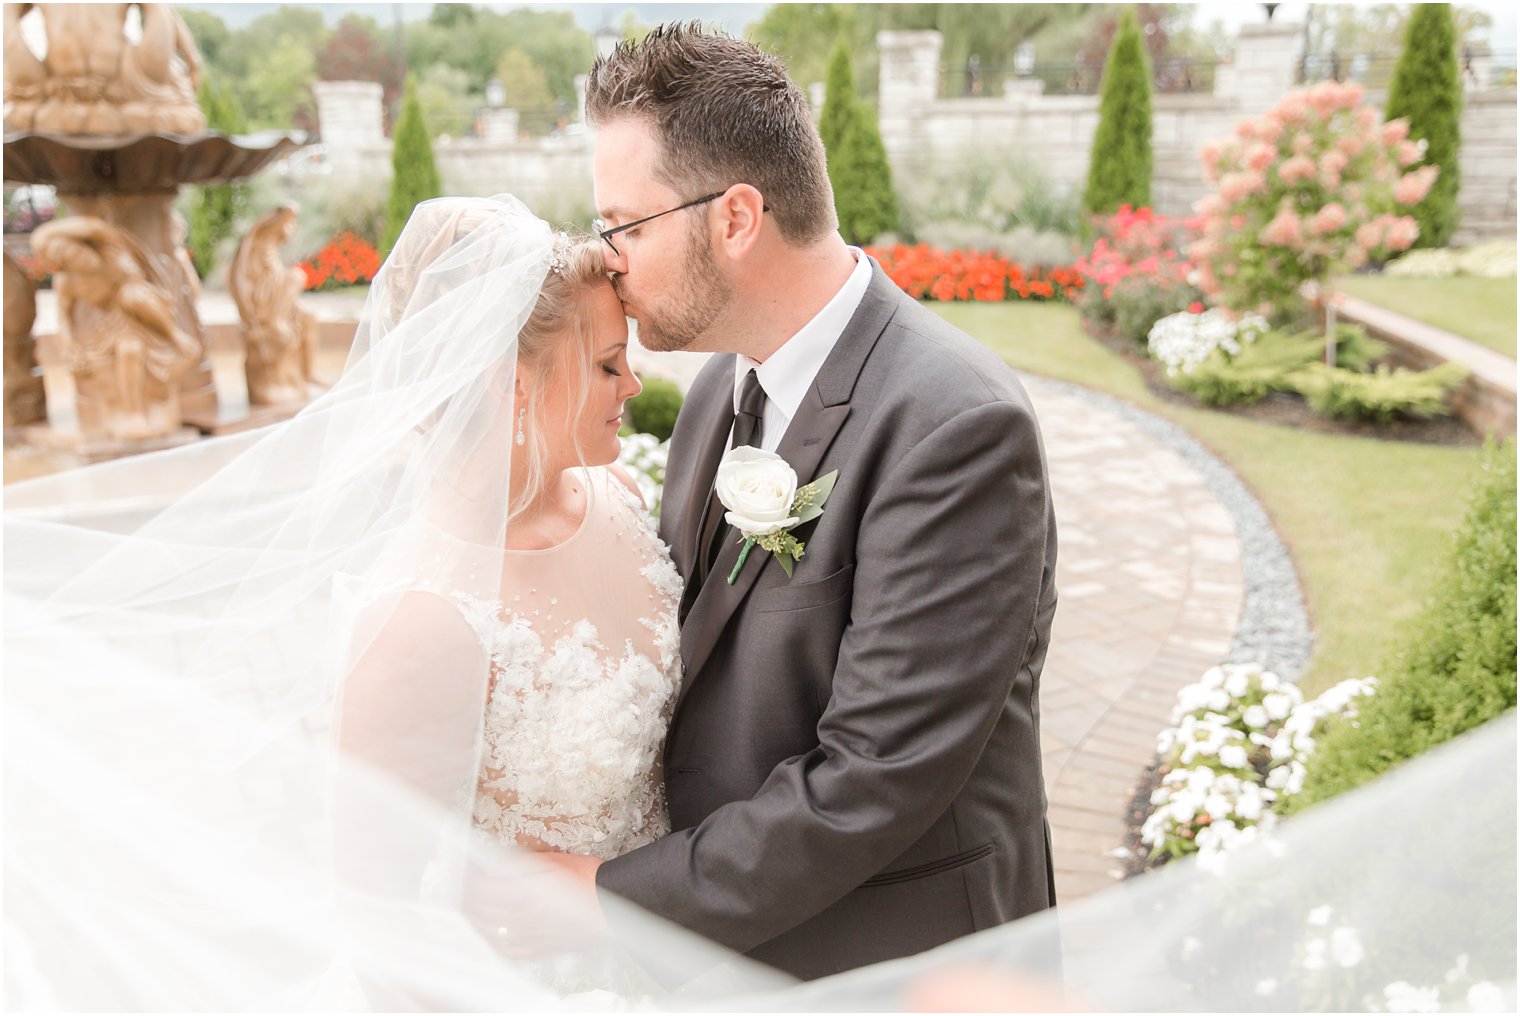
(808,438)
(710,442)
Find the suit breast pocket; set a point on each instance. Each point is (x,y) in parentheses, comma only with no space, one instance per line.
(802,595)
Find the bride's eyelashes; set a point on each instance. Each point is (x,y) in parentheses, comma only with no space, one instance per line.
(612,370)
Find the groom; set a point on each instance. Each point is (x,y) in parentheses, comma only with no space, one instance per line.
(853,768)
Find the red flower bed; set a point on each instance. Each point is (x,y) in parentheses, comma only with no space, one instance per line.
(347,260)
(927,273)
(1138,241)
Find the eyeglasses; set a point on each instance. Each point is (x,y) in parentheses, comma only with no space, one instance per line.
(606,234)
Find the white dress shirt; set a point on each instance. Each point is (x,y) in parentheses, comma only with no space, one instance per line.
(789,373)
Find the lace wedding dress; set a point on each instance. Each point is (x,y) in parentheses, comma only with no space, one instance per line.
(585,664)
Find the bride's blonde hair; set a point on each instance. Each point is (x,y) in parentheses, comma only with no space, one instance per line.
(556,342)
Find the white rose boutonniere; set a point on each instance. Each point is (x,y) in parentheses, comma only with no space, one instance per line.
(764,503)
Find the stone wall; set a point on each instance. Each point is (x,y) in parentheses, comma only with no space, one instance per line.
(552,175)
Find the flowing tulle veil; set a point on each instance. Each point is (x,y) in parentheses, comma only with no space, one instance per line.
(242,730)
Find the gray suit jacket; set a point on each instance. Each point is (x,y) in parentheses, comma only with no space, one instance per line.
(853,769)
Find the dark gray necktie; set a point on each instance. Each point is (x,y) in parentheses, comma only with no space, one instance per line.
(748,428)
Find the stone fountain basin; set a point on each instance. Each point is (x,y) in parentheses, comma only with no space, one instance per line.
(140,163)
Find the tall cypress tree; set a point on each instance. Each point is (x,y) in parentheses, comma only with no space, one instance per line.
(215,210)
(1122,161)
(1427,89)
(415,174)
(858,168)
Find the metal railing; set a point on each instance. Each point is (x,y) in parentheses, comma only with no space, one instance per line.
(1174,76)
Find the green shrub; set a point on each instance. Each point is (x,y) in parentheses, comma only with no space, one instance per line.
(215,210)
(1456,670)
(1380,396)
(1138,303)
(1427,91)
(414,173)
(857,159)
(1262,367)
(1355,349)
(653,411)
(1119,172)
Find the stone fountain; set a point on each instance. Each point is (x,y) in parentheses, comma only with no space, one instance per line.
(100,103)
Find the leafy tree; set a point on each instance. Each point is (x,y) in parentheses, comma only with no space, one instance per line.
(302,28)
(1427,90)
(527,89)
(216,207)
(474,44)
(1120,169)
(210,33)
(358,51)
(857,160)
(414,173)
(277,89)
(448,107)
(452,15)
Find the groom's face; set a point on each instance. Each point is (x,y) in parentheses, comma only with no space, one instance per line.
(664,270)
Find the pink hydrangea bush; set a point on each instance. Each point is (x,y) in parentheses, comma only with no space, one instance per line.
(1315,187)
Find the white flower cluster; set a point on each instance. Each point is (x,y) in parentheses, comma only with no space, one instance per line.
(1183,341)
(1460,992)
(644,457)
(1238,744)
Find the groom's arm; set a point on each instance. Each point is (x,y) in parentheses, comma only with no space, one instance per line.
(946,615)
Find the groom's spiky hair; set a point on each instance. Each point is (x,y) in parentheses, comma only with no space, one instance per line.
(724,113)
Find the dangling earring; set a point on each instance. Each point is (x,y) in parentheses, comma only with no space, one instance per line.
(521,412)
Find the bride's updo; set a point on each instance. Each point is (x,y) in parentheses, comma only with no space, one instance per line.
(556,342)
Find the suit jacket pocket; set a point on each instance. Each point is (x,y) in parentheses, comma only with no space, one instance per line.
(918,871)
(799,595)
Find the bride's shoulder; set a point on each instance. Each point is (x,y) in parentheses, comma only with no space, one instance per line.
(615,472)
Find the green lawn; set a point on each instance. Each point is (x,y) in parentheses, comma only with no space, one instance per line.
(1367,521)
(1482,310)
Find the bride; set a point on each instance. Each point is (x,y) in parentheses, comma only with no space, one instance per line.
(383,649)
(289,714)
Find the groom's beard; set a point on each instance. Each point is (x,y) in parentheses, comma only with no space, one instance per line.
(692,313)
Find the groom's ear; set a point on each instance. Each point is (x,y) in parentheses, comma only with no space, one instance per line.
(741,214)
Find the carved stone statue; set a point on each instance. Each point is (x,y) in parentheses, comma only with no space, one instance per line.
(97,78)
(116,311)
(280,337)
(25,401)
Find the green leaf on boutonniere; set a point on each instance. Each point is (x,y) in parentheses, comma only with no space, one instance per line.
(807,505)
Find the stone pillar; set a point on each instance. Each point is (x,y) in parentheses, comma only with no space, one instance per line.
(498,124)
(1265,65)
(909,69)
(817,93)
(351,115)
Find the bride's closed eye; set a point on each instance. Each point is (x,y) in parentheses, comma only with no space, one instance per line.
(609,368)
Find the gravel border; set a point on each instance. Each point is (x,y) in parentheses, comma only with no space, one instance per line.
(1274,626)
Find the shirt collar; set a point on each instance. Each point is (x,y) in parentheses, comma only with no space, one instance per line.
(789,373)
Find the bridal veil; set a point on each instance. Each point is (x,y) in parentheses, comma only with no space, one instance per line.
(241,738)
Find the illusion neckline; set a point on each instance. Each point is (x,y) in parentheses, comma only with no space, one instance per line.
(567,541)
